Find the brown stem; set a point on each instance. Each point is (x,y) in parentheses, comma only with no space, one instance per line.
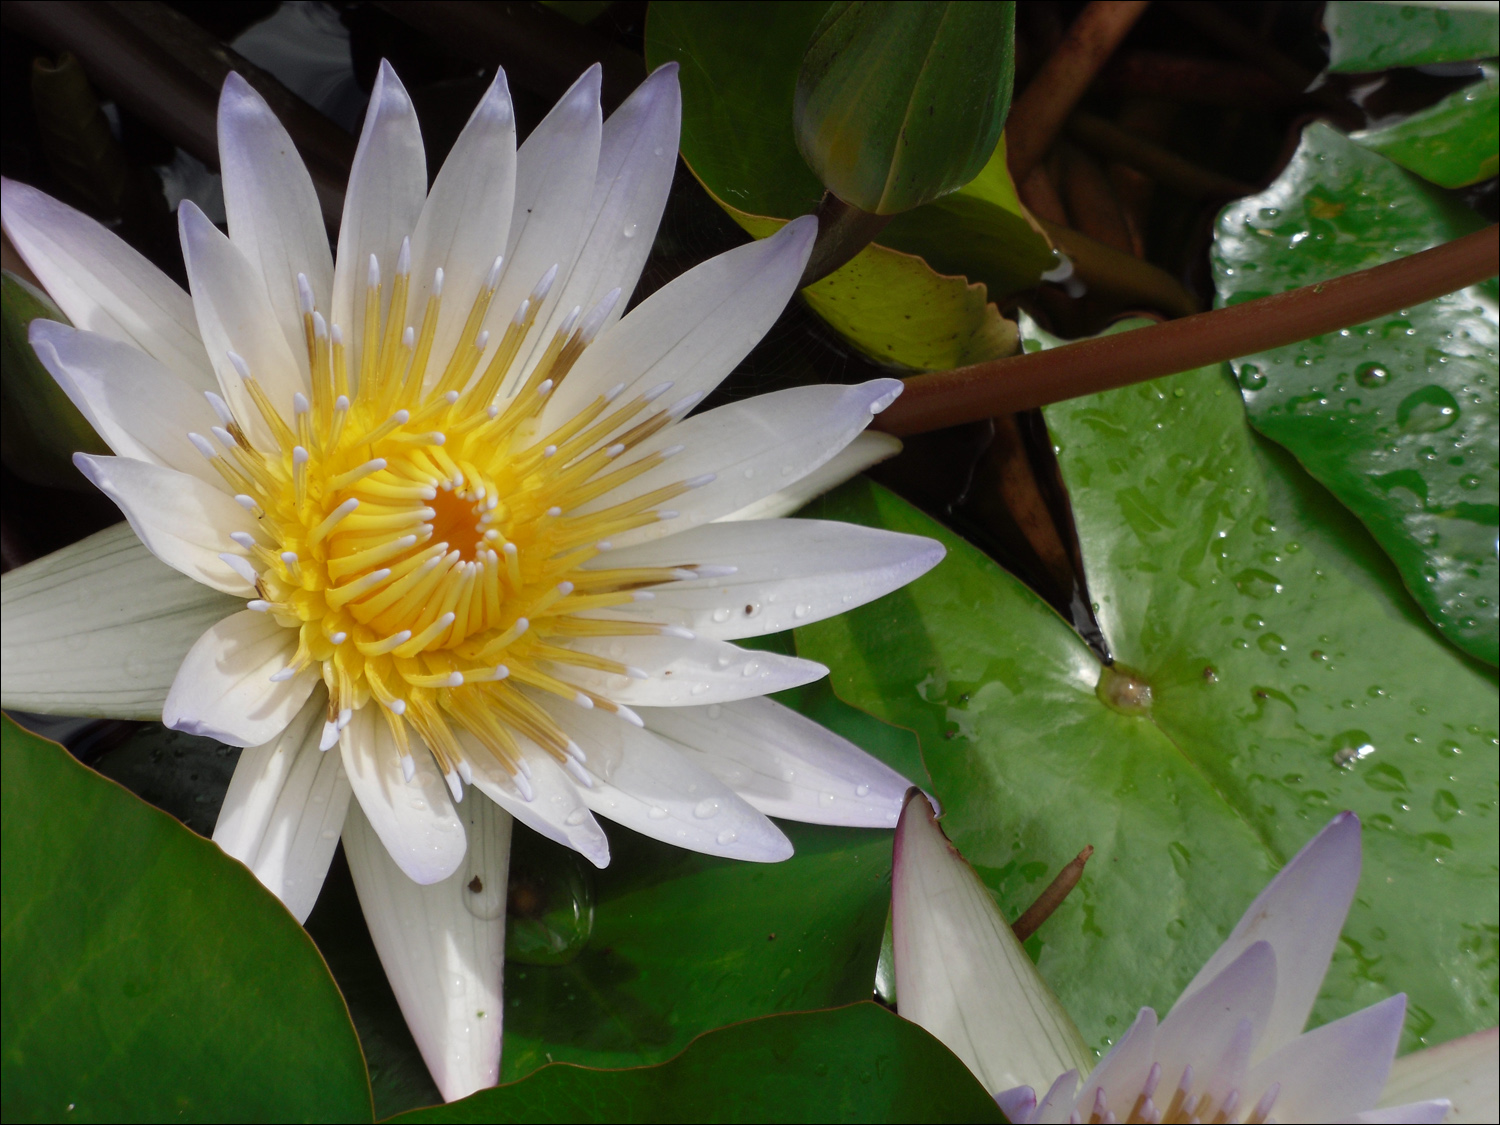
(1002,386)
(1108,139)
(1090,199)
(1039,112)
(541,50)
(1050,899)
(167,70)
(1234,36)
(1184,78)
(843,231)
(1119,275)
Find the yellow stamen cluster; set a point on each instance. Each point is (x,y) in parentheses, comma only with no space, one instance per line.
(420,532)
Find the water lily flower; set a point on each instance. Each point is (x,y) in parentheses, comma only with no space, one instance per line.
(433,501)
(1231,1049)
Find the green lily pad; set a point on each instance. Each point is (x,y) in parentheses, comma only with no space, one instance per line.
(147,976)
(981,231)
(739,79)
(1398,417)
(1289,676)
(857,1063)
(1453,143)
(1365,37)
(898,310)
(682,943)
(909,299)
(41,427)
(899,104)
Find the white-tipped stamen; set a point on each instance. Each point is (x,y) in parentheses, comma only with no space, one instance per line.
(220,408)
(241,566)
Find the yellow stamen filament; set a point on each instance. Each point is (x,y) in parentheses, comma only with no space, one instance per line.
(426,543)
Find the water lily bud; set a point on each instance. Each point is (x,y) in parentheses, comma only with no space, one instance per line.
(898,104)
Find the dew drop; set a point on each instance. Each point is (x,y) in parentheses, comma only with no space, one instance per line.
(657,813)
(721,615)
(1427,411)
(1251,378)
(861,790)
(705,809)
(728,836)
(629,231)
(1371,375)
(801,611)
(1271,643)
(1257,583)
(576,817)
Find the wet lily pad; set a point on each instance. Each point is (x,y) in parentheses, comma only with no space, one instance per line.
(1398,417)
(856,1063)
(1453,143)
(682,943)
(1272,672)
(147,976)
(1365,37)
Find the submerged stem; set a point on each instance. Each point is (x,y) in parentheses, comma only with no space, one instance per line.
(1005,386)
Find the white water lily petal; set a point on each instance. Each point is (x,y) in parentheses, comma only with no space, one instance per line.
(387,187)
(748,449)
(1058,1101)
(786,573)
(285,807)
(682,671)
(554,807)
(224,688)
(1018,1103)
(555,171)
(102,284)
(415,819)
(637,158)
(275,220)
(961,973)
(100,628)
(1461,1070)
(442,944)
(182,520)
(1122,1069)
(466,221)
(1333,1070)
(695,329)
(1200,1029)
(783,763)
(135,404)
(1300,913)
(235,315)
(644,784)
(867,449)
